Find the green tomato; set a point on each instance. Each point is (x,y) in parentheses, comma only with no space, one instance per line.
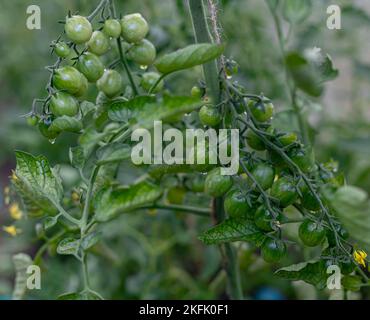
(308,200)
(149,79)
(78,29)
(99,43)
(62,50)
(112,28)
(143,53)
(216,185)
(263,218)
(288,138)
(311,233)
(303,158)
(68,79)
(110,83)
(342,233)
(261,111)
(90,66)
(176,195)
(83,88)
(210,116)
(196,183)
(44,129)
(347,267)
(236,204)
(134,28)
(254,141)
(196,92)
(264,175)
(285,191)
(63,104)
(32,120)
(273,250)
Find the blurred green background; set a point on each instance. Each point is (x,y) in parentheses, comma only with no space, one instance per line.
(157,256)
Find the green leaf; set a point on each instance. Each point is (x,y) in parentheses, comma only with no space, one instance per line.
(296,11)
(188,57)
(90,139)
(90,240)
(84,295)
(111,202)
(21,263)
(68,246)
(159,170)
(144,111)
(352,283)
(311,272)
(49,222)
(352,207)
(76,157)
(233,229)
(114,152)
(65,123)
(39,185)
(327,70)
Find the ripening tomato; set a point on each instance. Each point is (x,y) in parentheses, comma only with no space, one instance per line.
(143,53)
(68,79)
(236,204)
(112,28)
(285,191)
(262,111)
(99,43)
(110,83)
(90,66)
(264,175)
(134,28)
(63,104)
(273,250)
(311,233)
(78,29)
(149,79)
(216,184)
(210,116)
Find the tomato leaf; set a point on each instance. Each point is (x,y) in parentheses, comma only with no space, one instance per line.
(233,229)
(188,57)
(68,246)
(110,201)
(76,157)
(37,183)
(114,152)
(90,240)
(65,123)
(159,170)
(145,110)
(311,272)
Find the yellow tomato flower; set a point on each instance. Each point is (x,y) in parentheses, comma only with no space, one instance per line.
(360,257)
(12,230)
(15,212)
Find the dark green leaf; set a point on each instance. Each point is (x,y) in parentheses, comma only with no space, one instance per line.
(76,157)
(188,57)
(49,222)
(90,240)
(111,202)
(233,229)
(68,246)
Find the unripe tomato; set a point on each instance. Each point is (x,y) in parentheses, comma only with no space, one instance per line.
(343,233)
(284,190)
(308,200)
(44,129)
(347,267)
(68,79)
(196,92)
(78,29)
(196,183)
(273,250)
(134,28)
(288,138)
(62,50)
(32,120)
(311,233)
(176,195)
(83,88)
(63,104)
(112,28)
(210,116)
(143,53)
(264,175)
(302,158)
(236,204)
(149,79)
(254,141)
(263,218)
(99,43)
(261,111)
(90,66)
(110,83)
(216,185)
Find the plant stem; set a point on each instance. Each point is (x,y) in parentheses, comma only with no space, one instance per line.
(121,54)
(211,76)
(204,212)
(97,10)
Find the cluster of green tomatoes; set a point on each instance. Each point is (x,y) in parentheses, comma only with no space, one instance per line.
(280,185)
(70,82)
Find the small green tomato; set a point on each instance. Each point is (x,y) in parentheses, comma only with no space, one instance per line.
(149,79)
(110,83)
(78,29)
(112,28)
(99,43)
(134,28)
(143,53)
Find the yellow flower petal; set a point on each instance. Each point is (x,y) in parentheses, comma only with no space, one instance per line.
(360,257)
(15,212)
(12,230)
